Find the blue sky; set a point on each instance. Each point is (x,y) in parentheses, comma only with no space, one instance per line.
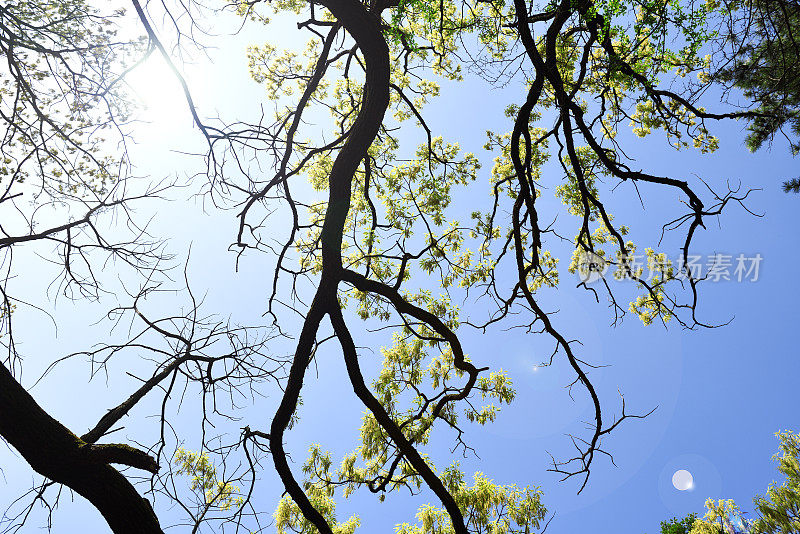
(721,393)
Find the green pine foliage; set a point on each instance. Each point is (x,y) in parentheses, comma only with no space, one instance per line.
(765,66)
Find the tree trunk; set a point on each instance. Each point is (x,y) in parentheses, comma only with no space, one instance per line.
(54,452)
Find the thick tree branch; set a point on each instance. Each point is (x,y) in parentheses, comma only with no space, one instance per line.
(56,453)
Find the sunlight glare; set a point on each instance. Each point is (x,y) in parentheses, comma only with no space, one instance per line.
(158,94)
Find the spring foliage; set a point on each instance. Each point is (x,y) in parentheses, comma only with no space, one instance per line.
(778,510)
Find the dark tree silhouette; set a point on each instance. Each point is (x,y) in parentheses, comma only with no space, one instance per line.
(368,252)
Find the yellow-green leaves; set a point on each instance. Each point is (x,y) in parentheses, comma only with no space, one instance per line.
(779,509)
(718,513)
(496,386)
(651,271)
(488,507)
(678,123)
(204,481)
(570,192)
(319,489)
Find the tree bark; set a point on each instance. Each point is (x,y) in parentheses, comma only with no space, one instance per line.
(54,452)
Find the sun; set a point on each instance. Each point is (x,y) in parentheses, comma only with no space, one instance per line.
(158,94)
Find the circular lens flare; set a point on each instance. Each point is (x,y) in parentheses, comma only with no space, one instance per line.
(682,480)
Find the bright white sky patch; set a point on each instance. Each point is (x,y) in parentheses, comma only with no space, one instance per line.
(155,87)
(682,480)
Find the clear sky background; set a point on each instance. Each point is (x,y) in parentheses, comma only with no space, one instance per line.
(721,393)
